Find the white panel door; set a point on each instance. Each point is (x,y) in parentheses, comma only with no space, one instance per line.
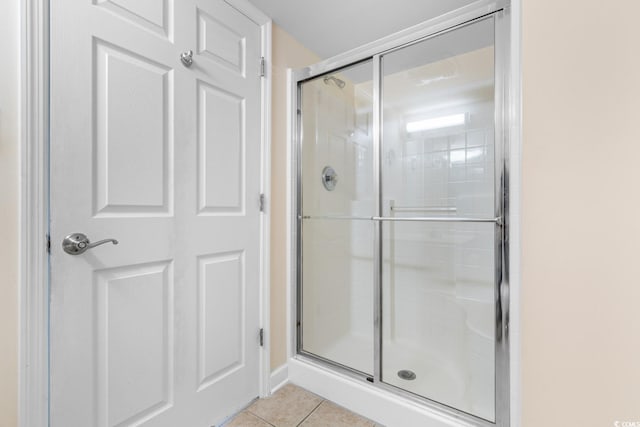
(162,328)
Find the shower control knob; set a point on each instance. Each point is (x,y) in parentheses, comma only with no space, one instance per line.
(329,178)
(187,58)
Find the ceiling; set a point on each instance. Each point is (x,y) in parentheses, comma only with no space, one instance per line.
(330,27)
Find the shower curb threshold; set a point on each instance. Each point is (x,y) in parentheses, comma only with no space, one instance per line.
(376,404)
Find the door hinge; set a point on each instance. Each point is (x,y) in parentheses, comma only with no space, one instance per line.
(262,202)
(261,335)
(48,244)
(262,67)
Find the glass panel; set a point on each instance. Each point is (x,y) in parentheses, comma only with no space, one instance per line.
(438,312)
(337,291)
(336,133)
(337,268)
(438,160)
(438,119)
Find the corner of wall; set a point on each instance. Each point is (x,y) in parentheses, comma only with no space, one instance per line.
(287,53)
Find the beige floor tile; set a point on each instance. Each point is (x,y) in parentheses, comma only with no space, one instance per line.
(329,414)
(246,419)
(287,407)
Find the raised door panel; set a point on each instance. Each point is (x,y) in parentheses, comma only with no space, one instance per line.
(221,43)
(221,145)
(133,309)
(133,134)
(152,15)
(221,313)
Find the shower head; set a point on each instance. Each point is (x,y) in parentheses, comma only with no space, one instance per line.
(340,83)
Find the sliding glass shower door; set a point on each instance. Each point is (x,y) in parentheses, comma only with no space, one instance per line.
(401,220)
(439,236)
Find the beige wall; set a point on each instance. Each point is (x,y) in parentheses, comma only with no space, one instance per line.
(581,213)
(9,144)
(286,53)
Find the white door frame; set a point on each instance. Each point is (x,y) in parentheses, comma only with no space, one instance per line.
(34,201)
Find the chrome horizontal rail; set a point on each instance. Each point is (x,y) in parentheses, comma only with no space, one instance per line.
(357,218)
(497,220)
(423,209)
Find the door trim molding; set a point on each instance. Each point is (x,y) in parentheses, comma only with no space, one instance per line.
(265,23)
(33,369)
(265,247)
(514,117)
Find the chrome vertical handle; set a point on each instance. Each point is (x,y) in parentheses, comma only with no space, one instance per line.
(77,243)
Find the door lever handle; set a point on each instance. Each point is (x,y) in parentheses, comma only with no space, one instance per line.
(77,243)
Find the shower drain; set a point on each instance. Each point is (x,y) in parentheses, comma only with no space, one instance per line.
(406,374)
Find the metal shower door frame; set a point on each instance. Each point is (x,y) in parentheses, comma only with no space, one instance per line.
(498,11)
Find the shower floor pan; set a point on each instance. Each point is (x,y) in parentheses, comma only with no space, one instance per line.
(436,378)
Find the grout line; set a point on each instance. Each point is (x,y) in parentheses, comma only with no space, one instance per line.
(260,418)
(233,416)
(312,411)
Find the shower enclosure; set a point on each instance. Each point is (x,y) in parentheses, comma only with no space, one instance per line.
(401,217)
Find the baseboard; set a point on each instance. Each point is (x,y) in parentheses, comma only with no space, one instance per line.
(279,377)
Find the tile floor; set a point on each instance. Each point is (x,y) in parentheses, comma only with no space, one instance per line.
(293,406)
